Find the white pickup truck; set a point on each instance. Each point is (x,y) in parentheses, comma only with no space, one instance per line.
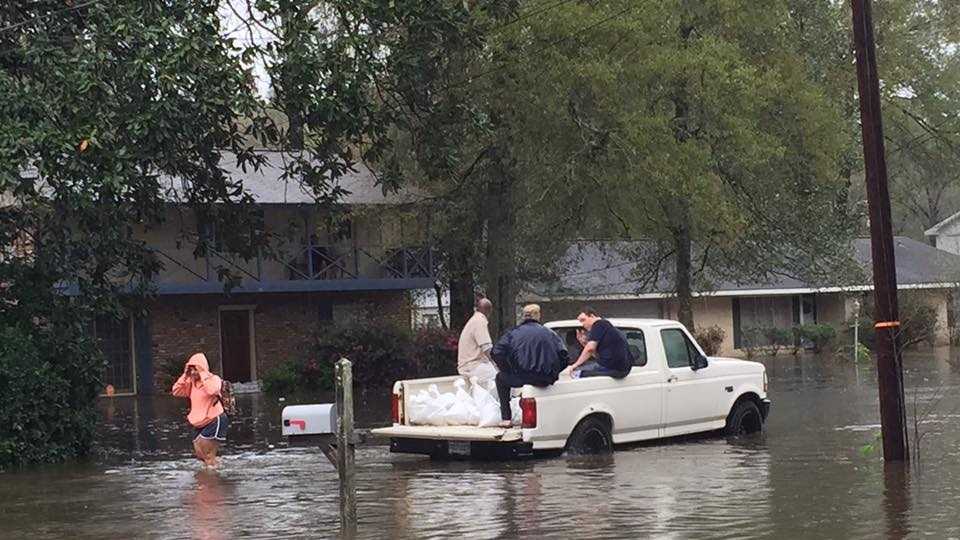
(673,389)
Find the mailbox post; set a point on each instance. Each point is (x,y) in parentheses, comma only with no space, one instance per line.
(330,426)
(345,444)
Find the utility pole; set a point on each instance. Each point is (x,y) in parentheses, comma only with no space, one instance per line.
(887,324)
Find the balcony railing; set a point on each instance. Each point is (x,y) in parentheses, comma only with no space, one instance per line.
(313,263)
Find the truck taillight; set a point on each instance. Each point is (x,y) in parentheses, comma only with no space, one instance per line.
(395,408)
(528,409)
(766,382)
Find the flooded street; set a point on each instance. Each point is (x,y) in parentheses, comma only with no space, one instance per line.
(808,476)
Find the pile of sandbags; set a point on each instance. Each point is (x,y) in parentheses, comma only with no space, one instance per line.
(479,407)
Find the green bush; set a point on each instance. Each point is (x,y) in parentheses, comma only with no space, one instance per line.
(751,341)
(777,338)
(380,353)
(434,352)
(49,379)
(298,376)
(820,336)
(710,339)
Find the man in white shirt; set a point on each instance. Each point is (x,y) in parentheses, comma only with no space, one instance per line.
(473,349)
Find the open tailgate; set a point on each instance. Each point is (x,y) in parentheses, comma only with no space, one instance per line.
(451,433)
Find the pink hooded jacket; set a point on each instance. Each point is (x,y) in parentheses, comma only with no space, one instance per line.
(204,405)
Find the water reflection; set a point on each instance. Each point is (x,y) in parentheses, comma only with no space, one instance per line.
(896,499)
(206,507)
(807,476)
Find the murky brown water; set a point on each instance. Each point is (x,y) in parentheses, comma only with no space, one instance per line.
(805,477)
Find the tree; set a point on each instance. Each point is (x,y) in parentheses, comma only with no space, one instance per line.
(706,139)
(108,110)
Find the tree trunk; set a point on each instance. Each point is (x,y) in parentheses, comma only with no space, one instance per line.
(462,299)
(684,277)
(438,289)
(500,268)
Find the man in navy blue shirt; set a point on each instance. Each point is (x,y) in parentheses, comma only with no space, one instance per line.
(608,344)
(529,354)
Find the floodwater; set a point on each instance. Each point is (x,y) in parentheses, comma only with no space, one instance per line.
(807,476)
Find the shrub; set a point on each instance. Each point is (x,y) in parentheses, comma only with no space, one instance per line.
(820,336)
(777,338)
(710,339)
(918,323)
(751,341)
(297,376)
(49,379)
(434,353)
(380,353)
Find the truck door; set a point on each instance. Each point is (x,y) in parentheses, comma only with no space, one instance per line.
(639,406)
(690,397)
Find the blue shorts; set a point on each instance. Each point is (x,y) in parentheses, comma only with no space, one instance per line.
(215,430)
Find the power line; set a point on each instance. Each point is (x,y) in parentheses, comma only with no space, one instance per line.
(47,15)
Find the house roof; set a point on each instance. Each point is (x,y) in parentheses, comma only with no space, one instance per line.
(935,230)
(601,270)
(268,186)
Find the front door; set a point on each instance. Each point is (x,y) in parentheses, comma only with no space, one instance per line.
(235,345)
(690,397)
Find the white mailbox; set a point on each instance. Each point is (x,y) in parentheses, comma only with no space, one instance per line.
(309,420)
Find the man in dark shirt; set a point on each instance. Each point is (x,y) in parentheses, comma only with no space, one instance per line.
(528,354)
(608,344)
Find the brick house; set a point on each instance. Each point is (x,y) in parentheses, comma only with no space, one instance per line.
(363,264)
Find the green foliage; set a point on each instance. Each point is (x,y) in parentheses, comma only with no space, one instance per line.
(870,449)
(918,322)
(49,375)
(434,352)
(380,353)
(820,336)
(710,339)
(777,338)
(110,110)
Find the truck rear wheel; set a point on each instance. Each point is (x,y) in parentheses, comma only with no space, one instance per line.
(591,436)
(744,418)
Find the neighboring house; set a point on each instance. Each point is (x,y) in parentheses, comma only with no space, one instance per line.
(426,309)
(362,265)
(599,275)
(946,234)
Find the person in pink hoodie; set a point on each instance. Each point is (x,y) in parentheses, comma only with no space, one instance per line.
(206,411)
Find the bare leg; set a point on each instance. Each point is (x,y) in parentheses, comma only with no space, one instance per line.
(208,449)
(197,449)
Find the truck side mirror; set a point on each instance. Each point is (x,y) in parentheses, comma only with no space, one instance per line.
(698,362)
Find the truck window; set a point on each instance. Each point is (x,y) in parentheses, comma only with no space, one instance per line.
(637,345)
(676,345)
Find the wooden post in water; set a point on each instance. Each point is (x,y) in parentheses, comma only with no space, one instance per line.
(887,323)
(345,446)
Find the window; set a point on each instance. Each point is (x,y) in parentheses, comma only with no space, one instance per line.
(638,346)
(114,339)
(635,342)
(678,348)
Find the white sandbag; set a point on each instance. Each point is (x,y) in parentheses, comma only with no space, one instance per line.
(418,407)
(463,411)
(488,408)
